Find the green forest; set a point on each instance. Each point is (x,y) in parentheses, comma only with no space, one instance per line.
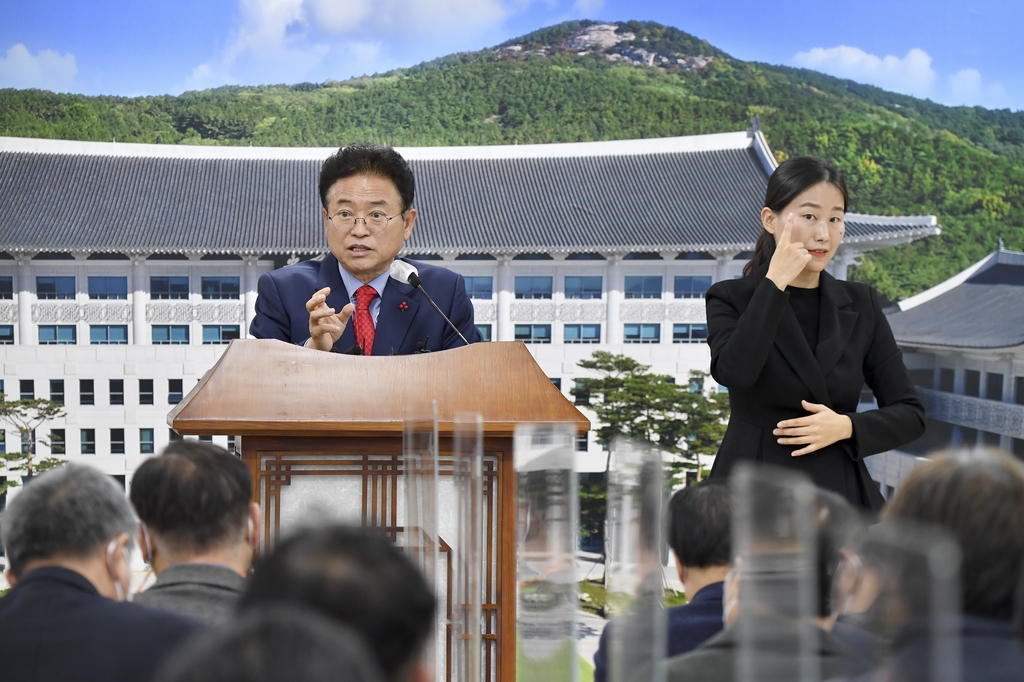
(902,155)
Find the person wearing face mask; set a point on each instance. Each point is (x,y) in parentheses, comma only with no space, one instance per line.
(68,534)
(198,529)
(795,347)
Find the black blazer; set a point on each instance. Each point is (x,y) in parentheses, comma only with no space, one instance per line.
(54,625)
(759,352)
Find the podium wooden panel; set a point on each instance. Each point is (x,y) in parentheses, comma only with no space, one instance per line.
(307,413)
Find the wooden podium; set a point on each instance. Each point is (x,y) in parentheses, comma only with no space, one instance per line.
(329,427)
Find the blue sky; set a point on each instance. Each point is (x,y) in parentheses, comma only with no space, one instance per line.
(950,51)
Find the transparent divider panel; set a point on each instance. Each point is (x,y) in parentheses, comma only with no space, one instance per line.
(421,537)
(636,643)
(546,542)
(774,579)
(468,565)
(900,591)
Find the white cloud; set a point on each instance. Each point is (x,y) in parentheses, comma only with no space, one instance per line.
(47,70)
(912,74)
(588,6)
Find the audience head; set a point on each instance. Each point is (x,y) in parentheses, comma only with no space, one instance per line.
(699,526)
(841,530)
(281,643)
(978,495)
(74,517)
(195,501)
(356,577)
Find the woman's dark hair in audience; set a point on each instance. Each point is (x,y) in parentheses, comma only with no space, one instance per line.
(195,495)
(357,577)
(792,177)
(979,496)
(372,160)
(271,645)
(700,525)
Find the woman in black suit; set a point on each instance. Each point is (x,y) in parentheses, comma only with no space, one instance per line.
(795,346)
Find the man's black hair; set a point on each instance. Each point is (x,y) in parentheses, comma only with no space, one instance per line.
(699,518)
(368,159)
(194,495)
(357,577)
(272,645)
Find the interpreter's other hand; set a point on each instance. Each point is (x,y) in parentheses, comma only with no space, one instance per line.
(325,325)
(790,258)
(821,428)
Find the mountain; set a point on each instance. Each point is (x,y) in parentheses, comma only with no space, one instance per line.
(589,81)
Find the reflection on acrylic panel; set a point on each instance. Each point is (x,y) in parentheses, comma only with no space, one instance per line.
(636,643)
(774,545)
(468,579)
(546,542)
(901,587)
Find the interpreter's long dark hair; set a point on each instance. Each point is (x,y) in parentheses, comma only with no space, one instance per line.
(790,179)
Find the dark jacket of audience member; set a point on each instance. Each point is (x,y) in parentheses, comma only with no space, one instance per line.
(979,496)
(198,529)
(357,577)
(67,534)
(274,645)
(698,531)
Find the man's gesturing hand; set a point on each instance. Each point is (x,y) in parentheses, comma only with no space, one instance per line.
(325,325)
(822,428)
(790,258)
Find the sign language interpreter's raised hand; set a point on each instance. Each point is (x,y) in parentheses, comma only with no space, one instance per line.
(325,325)
(790,258)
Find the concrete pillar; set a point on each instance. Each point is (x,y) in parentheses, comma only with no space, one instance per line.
(722,263)
(506,293)
(614,289)
(140,296)
(25,285)
(249,281)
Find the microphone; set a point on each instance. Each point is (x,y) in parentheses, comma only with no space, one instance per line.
(408,274)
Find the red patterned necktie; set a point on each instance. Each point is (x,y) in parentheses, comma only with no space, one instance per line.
(363,319)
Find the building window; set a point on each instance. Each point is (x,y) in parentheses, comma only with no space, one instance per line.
(28,389)
(946,379)
(689,333)
(55,288)
(145,391)
(86,392)
(108,334)
(174,391)
(57,391)
(691,287)
(583,287)
(217,288)
(26,440)
(990,439)
(108,288)
(922,377)
(88,441)
(117,441)
(168,288)
(581,394)
(219,333)
(582,443)
(583,333)
(232,444)
(972,383)
(643,287)
(58,335)
(117,391)
(642,333)
(170,334)
(994,386)
(485,332)
(3,441)
(533,333)
(533,287)
(146,444)
(58,444)
(6,334)
(173,435)
(6,288)
(205,439)
(557,381)
(1019,382)
(480,287)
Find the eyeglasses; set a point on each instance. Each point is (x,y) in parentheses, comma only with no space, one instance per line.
(375,221)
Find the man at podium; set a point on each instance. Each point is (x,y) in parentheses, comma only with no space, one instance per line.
(350,302)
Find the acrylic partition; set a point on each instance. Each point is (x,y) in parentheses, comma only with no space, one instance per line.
(775,576)
(636,644)
(469,564)
(546,544)
(901,588)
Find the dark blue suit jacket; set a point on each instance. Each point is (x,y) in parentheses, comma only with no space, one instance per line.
(689,626)
(281,308)
(54,625)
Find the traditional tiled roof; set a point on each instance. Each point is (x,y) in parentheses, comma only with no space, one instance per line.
(699,193)
(982,307)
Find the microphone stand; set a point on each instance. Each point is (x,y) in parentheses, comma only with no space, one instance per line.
(414,279)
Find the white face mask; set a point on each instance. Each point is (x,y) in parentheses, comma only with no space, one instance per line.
(118,588)
(728,589)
